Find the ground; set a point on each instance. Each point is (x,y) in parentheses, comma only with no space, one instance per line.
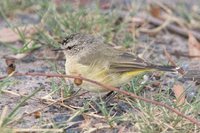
(39,103)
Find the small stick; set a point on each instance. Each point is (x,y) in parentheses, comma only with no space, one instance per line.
(192,120)
(180,70)
(172,27)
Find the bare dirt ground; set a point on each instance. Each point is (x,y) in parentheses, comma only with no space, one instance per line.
(53,107)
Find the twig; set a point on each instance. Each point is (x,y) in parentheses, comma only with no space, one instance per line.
(110,88)
(172,27)
(49,104)
(37,130)
(3,115)
(157,29)
(183,54)
(180,70)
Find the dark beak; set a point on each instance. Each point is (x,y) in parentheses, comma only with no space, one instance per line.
(57,49)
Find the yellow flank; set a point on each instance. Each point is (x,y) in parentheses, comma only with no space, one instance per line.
(134,73)
(100,73)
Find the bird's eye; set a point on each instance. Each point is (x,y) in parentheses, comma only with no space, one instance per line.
(65,41)
(70,47)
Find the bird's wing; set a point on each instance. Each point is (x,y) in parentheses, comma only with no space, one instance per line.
(128,62)
(101,53)
(117,60)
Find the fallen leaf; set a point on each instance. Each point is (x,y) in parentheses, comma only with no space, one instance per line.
(179,94)
(10,35)
(194,46)
(10,66)
(155,11)
(105,4)
(15,56)
(37,114)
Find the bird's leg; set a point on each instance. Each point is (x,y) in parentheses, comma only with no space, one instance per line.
(109,96)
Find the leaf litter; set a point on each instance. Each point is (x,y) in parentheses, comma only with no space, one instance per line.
(152,44)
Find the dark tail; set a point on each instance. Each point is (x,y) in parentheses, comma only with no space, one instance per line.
(165,68)
(130,66)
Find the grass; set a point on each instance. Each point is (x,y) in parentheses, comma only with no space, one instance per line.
(9,116)
(59,21)
(12,114)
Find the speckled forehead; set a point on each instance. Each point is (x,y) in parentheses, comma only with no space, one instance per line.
(80,40)
(67,39)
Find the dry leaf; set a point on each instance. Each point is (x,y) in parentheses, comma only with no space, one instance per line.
(155,11)
(10,66)
(8,35)
(194,46)
(37,114)
(179,94)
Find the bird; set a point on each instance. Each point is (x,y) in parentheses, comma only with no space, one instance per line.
(91,57)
